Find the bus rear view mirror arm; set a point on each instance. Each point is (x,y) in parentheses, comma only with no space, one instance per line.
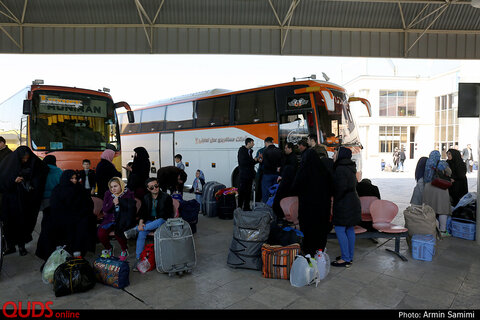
(27,107)
(131,117)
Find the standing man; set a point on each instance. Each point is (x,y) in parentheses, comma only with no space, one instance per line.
(467,156)
(319,149)
(87,177)
(4,150)
(259,174)
(272,162)
(246,167)
(401,159)
(396,157)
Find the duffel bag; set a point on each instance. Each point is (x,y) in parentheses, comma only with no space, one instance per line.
(112,272)
(72,276)
(277,260)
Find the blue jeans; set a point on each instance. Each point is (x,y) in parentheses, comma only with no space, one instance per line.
(142,235)
(346,239)
(268,180)
(198,197)
(400,166)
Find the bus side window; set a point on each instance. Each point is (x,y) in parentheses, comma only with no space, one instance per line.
(213,112)
(153,119)
(179,116)
(255,107)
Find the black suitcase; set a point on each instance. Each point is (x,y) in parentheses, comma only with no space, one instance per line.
(210,203)
(226,204)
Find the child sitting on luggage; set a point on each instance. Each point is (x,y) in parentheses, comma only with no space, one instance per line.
(197,185)
(157,207)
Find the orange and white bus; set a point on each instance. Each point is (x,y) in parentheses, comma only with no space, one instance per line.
(70,123)
(207,128)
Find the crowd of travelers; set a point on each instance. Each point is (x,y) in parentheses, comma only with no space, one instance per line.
(325,184)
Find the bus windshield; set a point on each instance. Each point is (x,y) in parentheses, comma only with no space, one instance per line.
(72,121)
(339,122)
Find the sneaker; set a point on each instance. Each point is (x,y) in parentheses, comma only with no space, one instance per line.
(445,234)
(134,268)
(131,233)
(106,253)
(123,255)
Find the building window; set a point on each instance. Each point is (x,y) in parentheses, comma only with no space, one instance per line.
(398,103)
(446,123)
(391,137)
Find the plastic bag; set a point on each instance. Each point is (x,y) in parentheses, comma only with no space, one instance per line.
(304,271)
(467,199)
(72,276)
(323,264)
(144,266)
(58,257)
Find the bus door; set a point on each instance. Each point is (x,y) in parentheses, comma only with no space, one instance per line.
(166,149)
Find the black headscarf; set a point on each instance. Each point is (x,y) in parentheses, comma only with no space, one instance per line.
(456,164)
(420,169)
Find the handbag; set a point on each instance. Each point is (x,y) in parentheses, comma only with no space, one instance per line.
(441,180)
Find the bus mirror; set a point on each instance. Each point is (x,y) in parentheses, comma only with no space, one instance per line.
(27,106)
(328,98)
(131,117)
(365,102)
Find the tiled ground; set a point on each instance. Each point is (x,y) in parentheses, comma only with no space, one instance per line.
(377,280)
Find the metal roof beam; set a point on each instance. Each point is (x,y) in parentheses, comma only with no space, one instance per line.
(10,14)
(461,2)
(444,7)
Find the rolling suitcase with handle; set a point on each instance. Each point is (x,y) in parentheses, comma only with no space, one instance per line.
(174,247)
(210,202)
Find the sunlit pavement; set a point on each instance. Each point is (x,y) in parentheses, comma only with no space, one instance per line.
(377,279)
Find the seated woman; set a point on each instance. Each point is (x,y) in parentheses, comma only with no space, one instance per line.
(119,209)
(72,220)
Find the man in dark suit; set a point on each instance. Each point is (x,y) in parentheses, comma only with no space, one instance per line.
(246,167)
(272,162)
(87,177)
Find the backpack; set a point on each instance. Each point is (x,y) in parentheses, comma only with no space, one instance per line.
(148,253)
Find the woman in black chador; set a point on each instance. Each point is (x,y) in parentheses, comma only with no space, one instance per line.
(459,186)
(22,182)
(139,172)
(72,222)
(313,186)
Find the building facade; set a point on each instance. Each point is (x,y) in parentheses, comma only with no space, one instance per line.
(418,114)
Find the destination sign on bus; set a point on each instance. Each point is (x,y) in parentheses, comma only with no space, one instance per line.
(55,105)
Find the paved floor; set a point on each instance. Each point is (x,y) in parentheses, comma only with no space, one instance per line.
(377,280)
